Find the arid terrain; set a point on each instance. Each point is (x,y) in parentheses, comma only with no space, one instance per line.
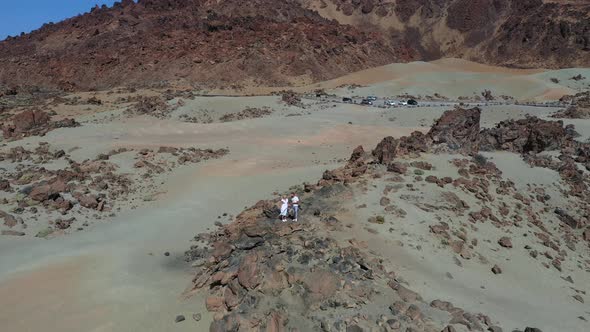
(113,201)
(441,151)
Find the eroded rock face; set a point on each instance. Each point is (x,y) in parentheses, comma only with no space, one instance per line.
(457,130)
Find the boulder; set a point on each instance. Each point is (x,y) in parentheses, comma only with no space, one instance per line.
(12,233)
(88,201)
(457,130)
(357,154)
(496,269)
(567,219)
(505,242)
(386,150)
(397,167)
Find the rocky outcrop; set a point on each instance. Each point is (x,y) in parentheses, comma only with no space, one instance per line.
(32,123)
(522,33)
(579,109)
(248,267)
(527,135)
(456,131)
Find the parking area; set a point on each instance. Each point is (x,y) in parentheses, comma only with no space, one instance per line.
(384,102)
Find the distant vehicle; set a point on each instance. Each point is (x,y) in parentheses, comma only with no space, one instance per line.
(389,103)
(366,102)
(347,100)
(412,102)
(402,103)
(371,98)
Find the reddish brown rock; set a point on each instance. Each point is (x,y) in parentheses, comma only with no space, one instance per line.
(9,220)
(40,193)
(215,304)
(386,151)
(88,201)
(457,130)
(30,122)
(275,322)
(249,272)
(505,242)
(231,300)
(321,284)
(357,153)
(397,167)
(221,250)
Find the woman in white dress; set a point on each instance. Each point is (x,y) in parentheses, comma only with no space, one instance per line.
(284,208)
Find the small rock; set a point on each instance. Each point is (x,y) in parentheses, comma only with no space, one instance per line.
(179,319)
(166,254)
(197,317)
(496,269)
(505,242)
(579,298)
(12,233)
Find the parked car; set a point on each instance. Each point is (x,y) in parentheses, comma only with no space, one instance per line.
(389,103)
(371,98)
(347,100)
(402,103)
(412,102)
(366,102)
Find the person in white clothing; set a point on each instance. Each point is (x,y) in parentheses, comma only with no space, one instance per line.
(284,208)
(295,205)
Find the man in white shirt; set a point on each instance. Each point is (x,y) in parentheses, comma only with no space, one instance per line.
(295,205)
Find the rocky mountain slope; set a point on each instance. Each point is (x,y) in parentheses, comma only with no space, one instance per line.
(205,42)
(263,42)
(521,33)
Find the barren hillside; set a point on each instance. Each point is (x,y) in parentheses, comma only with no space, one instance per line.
(520,33)
(278,43)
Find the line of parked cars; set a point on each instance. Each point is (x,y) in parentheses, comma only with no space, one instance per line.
(370,100)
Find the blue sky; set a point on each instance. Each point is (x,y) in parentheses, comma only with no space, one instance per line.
(18,16)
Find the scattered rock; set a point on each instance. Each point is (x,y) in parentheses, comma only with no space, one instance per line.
(496,269)
(505,242)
